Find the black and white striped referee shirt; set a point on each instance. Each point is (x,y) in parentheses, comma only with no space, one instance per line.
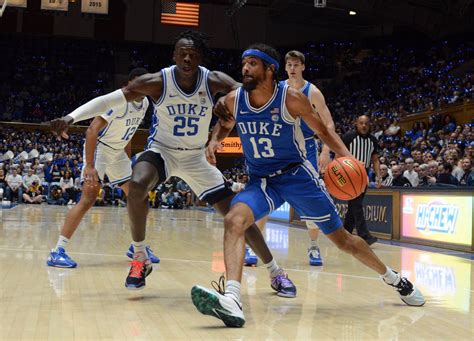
(362,147)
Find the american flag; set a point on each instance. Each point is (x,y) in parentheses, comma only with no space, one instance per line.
(179,13)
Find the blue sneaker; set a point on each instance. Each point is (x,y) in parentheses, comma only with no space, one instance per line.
(151,256)
(250,257)
(59,258)
(315,256)
(283,285)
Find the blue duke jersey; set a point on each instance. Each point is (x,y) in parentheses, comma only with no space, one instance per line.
(273,141)
(308,133)
(271,138)
(182,120)
(122,124)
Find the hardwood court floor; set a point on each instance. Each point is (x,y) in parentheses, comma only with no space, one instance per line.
(342,300)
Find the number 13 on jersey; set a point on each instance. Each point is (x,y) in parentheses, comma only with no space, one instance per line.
(265,144)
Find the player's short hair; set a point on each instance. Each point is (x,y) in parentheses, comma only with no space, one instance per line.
(271,51)
(137,72)
(295,54)
(200,41)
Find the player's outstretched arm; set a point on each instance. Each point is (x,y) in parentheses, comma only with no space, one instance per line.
(221,130)
(146,85)
(92,134)
(299,105)
(319,104)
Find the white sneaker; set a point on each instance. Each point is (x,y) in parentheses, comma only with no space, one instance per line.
(409,294)
(213,303)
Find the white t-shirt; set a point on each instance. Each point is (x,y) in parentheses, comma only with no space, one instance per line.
(66,183)
(28,180)
(412,177)
(14,181)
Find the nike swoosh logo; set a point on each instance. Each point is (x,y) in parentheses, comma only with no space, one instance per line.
(244,112)
(171,96)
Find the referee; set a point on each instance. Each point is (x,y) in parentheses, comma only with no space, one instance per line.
(364,147)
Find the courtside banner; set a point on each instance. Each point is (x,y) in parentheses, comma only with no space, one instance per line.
(55,5)
(377,210)
(95,6)
(14,3)
(231,145)
(439,218)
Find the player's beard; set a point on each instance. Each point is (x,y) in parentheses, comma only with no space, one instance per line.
(249,85)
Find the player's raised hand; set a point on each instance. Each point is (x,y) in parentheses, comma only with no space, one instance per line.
(91,176)
(211,149)
(60,126)
(221,110)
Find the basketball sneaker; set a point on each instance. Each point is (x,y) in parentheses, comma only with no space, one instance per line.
(137,274)
(250,257)
(216,303)
(60,259)
(283,285)
(409,294)
(151,256)
(315,256)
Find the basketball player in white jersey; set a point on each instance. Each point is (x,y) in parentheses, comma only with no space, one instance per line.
(183,99)
(107,150)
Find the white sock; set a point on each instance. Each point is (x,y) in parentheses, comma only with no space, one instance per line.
(139,249)
(391,277)
(233,288)
(62,242)
(273,268)
(314,244)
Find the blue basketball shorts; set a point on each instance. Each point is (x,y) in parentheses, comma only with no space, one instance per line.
(312,152)
(301,188)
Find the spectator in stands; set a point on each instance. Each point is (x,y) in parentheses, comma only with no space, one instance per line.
(399,179)
(100,200)
(445,175)
(452,159)
(417,156)
(423,178)
(55,196)
(30,178)
(14,186)
(55,174)
(3,182)
(385,177)
(467,179)
(185,192)
(33,194)
(410,173)
(67,186)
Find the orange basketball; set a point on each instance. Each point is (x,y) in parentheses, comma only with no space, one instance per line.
(345,178)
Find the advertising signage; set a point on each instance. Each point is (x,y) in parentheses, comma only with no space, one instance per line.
(439,218)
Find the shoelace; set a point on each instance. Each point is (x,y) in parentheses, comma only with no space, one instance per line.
(137,268)
(219,286)
(404,287)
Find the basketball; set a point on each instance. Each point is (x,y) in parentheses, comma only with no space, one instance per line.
(345,178)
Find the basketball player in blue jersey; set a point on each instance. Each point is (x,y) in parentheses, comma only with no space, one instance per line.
(183,100)
(267,115)
(294,67)
(107,150)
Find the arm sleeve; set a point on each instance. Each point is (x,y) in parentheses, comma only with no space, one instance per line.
(113,101)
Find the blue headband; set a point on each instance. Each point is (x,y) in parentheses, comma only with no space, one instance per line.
(263,56)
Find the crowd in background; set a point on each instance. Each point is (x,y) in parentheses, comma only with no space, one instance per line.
(49,77)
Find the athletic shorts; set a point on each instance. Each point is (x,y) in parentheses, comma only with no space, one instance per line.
(312,152)
(301,187)
(113,162)
(190,165)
